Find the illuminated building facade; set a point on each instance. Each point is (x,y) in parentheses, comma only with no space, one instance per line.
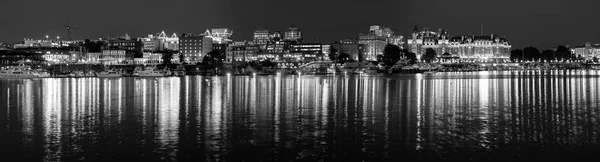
(350,47)
(273,50)
(243,51)
(115,57)
(160,42)
(149,58)
(293,34)
(587,51)
(303,52)
(469,47)
(374,42)
(46,43)
(126,44)
(262,37)
(219,35)
(4,46)
(194,47)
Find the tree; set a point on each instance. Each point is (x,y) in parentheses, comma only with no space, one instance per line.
(410,56)
(333,54)
(167,56)
(547,55)
(181,58)
(516,54)
(429,55)
(391,54)
(268,63)
(532,53)
(213,58)
(563,53)
(343,57)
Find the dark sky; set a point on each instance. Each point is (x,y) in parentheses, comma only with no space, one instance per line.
(541,23)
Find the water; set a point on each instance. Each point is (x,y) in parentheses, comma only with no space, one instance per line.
(468,116)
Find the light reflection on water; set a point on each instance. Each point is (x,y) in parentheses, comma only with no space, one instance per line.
(506,115)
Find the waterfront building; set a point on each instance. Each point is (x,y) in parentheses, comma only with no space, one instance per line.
(57,57)
(160,42)
(374,42)
(4,46)
(194,47)
(221,49)
(350,47)
(133,45)
(171,43)
(325,48)
(219,35)
(149,58)
(273,51)
(47,43)
(243,51)
(115,57)
(262,37)
(466,47)
(15,57)
(303,52)
(275,36)
(91,58)
(293,34)
(587,51)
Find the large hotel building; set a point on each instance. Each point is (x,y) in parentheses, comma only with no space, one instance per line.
(466,47)
(374,42)
(194,47)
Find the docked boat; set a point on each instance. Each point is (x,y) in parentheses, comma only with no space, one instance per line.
(109,74)
(429,72)
(428,68)
(179,71)
(370,69)
(151,72)
(20,72)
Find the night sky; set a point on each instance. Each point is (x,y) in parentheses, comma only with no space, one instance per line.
(541,23)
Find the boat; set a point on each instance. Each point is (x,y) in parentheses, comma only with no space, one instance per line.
(428,68)
(179,71)
(109,74)
(429,72)
(370,69)
(20,72)
(62,75)
(151,72)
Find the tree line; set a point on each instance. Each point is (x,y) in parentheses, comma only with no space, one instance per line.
(561,53)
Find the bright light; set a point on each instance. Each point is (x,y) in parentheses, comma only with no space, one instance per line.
(254,74)
(228,74)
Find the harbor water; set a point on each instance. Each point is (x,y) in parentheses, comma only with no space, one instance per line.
(520,115)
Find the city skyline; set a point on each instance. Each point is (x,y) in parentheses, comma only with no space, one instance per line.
(524,23)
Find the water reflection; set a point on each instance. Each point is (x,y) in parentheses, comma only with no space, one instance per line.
(506,115)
